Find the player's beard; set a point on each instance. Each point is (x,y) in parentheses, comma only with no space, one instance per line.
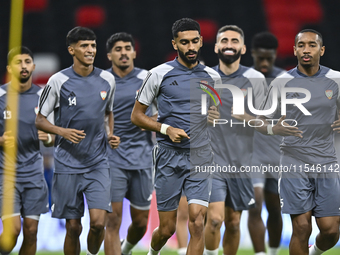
(228,59)
(185,59)
(25,79)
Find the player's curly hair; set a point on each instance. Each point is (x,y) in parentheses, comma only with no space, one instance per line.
(264,40)
(232,28)
(79,33)
(185,24)
(121,36)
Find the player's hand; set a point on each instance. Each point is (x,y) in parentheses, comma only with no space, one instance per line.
(286,129)
(7,139)
(176,134)
(73,135)
(114,141)
(336,126)
(44,137)
(241,117)
(213,114)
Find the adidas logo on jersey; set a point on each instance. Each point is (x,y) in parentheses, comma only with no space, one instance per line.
(252,201)
(174,83)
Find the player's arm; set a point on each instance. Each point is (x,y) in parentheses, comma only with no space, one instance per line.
(280,128)
(73,135)
(114,140)
(140,119)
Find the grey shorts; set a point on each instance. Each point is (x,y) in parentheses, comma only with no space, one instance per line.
(237,193)
(68,191)
(301,192)
(268,184)
(30,198)
(174,172)
(135,185)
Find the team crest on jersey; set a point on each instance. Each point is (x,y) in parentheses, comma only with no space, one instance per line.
(103,94)
(36,110)
(244,91)
(329,93)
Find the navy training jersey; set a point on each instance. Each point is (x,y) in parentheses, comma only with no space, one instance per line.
(79,102)
(266,149)
(317,144)
(134,150)
(29,163)
(179,100)
(233,143)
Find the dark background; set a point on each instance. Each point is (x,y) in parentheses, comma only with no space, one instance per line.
(46,23)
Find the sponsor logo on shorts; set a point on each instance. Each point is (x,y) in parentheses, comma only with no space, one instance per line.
(252,201)
(149,198)
(52,208)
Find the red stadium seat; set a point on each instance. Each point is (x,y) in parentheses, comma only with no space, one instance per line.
(35,5)
(90,16)
(208,29)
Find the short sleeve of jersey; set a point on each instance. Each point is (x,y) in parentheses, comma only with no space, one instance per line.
(276,85)
(151,84)
(335,76)
(49,99)
(111,80)
(50,117)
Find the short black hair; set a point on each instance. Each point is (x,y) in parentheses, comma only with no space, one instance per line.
(310,31)
(121,36)
(264,40)
(79,33)
(232,28)
(185,24)
(17,51)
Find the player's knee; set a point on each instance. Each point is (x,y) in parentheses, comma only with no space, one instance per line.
(74,229)
(215,222)
(30,233)
(196,227)
(330,233)
(255,212)
(140,223)
(302,228)
(167,231)
(232,226)
(97,227)
(113,222)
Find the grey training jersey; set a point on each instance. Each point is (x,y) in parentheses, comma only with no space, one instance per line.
(79,102)
(267,148)
(134,150)
(317,145)
(233,145)
(179,100)
(29,165)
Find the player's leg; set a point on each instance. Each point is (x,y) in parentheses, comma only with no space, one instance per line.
(30,229)
(256,226)
(97,193)
(215,215)
(231,238)
(96,233)
(34,203)
(166,228)
(182,225)
(302,229)
(170,165)
(329,232)
(197,214)
(118,191)
(274,221)
(326,212)
(15,222)
(73,231)
(113,222)
(215,218)
(240,197)
(140,195)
